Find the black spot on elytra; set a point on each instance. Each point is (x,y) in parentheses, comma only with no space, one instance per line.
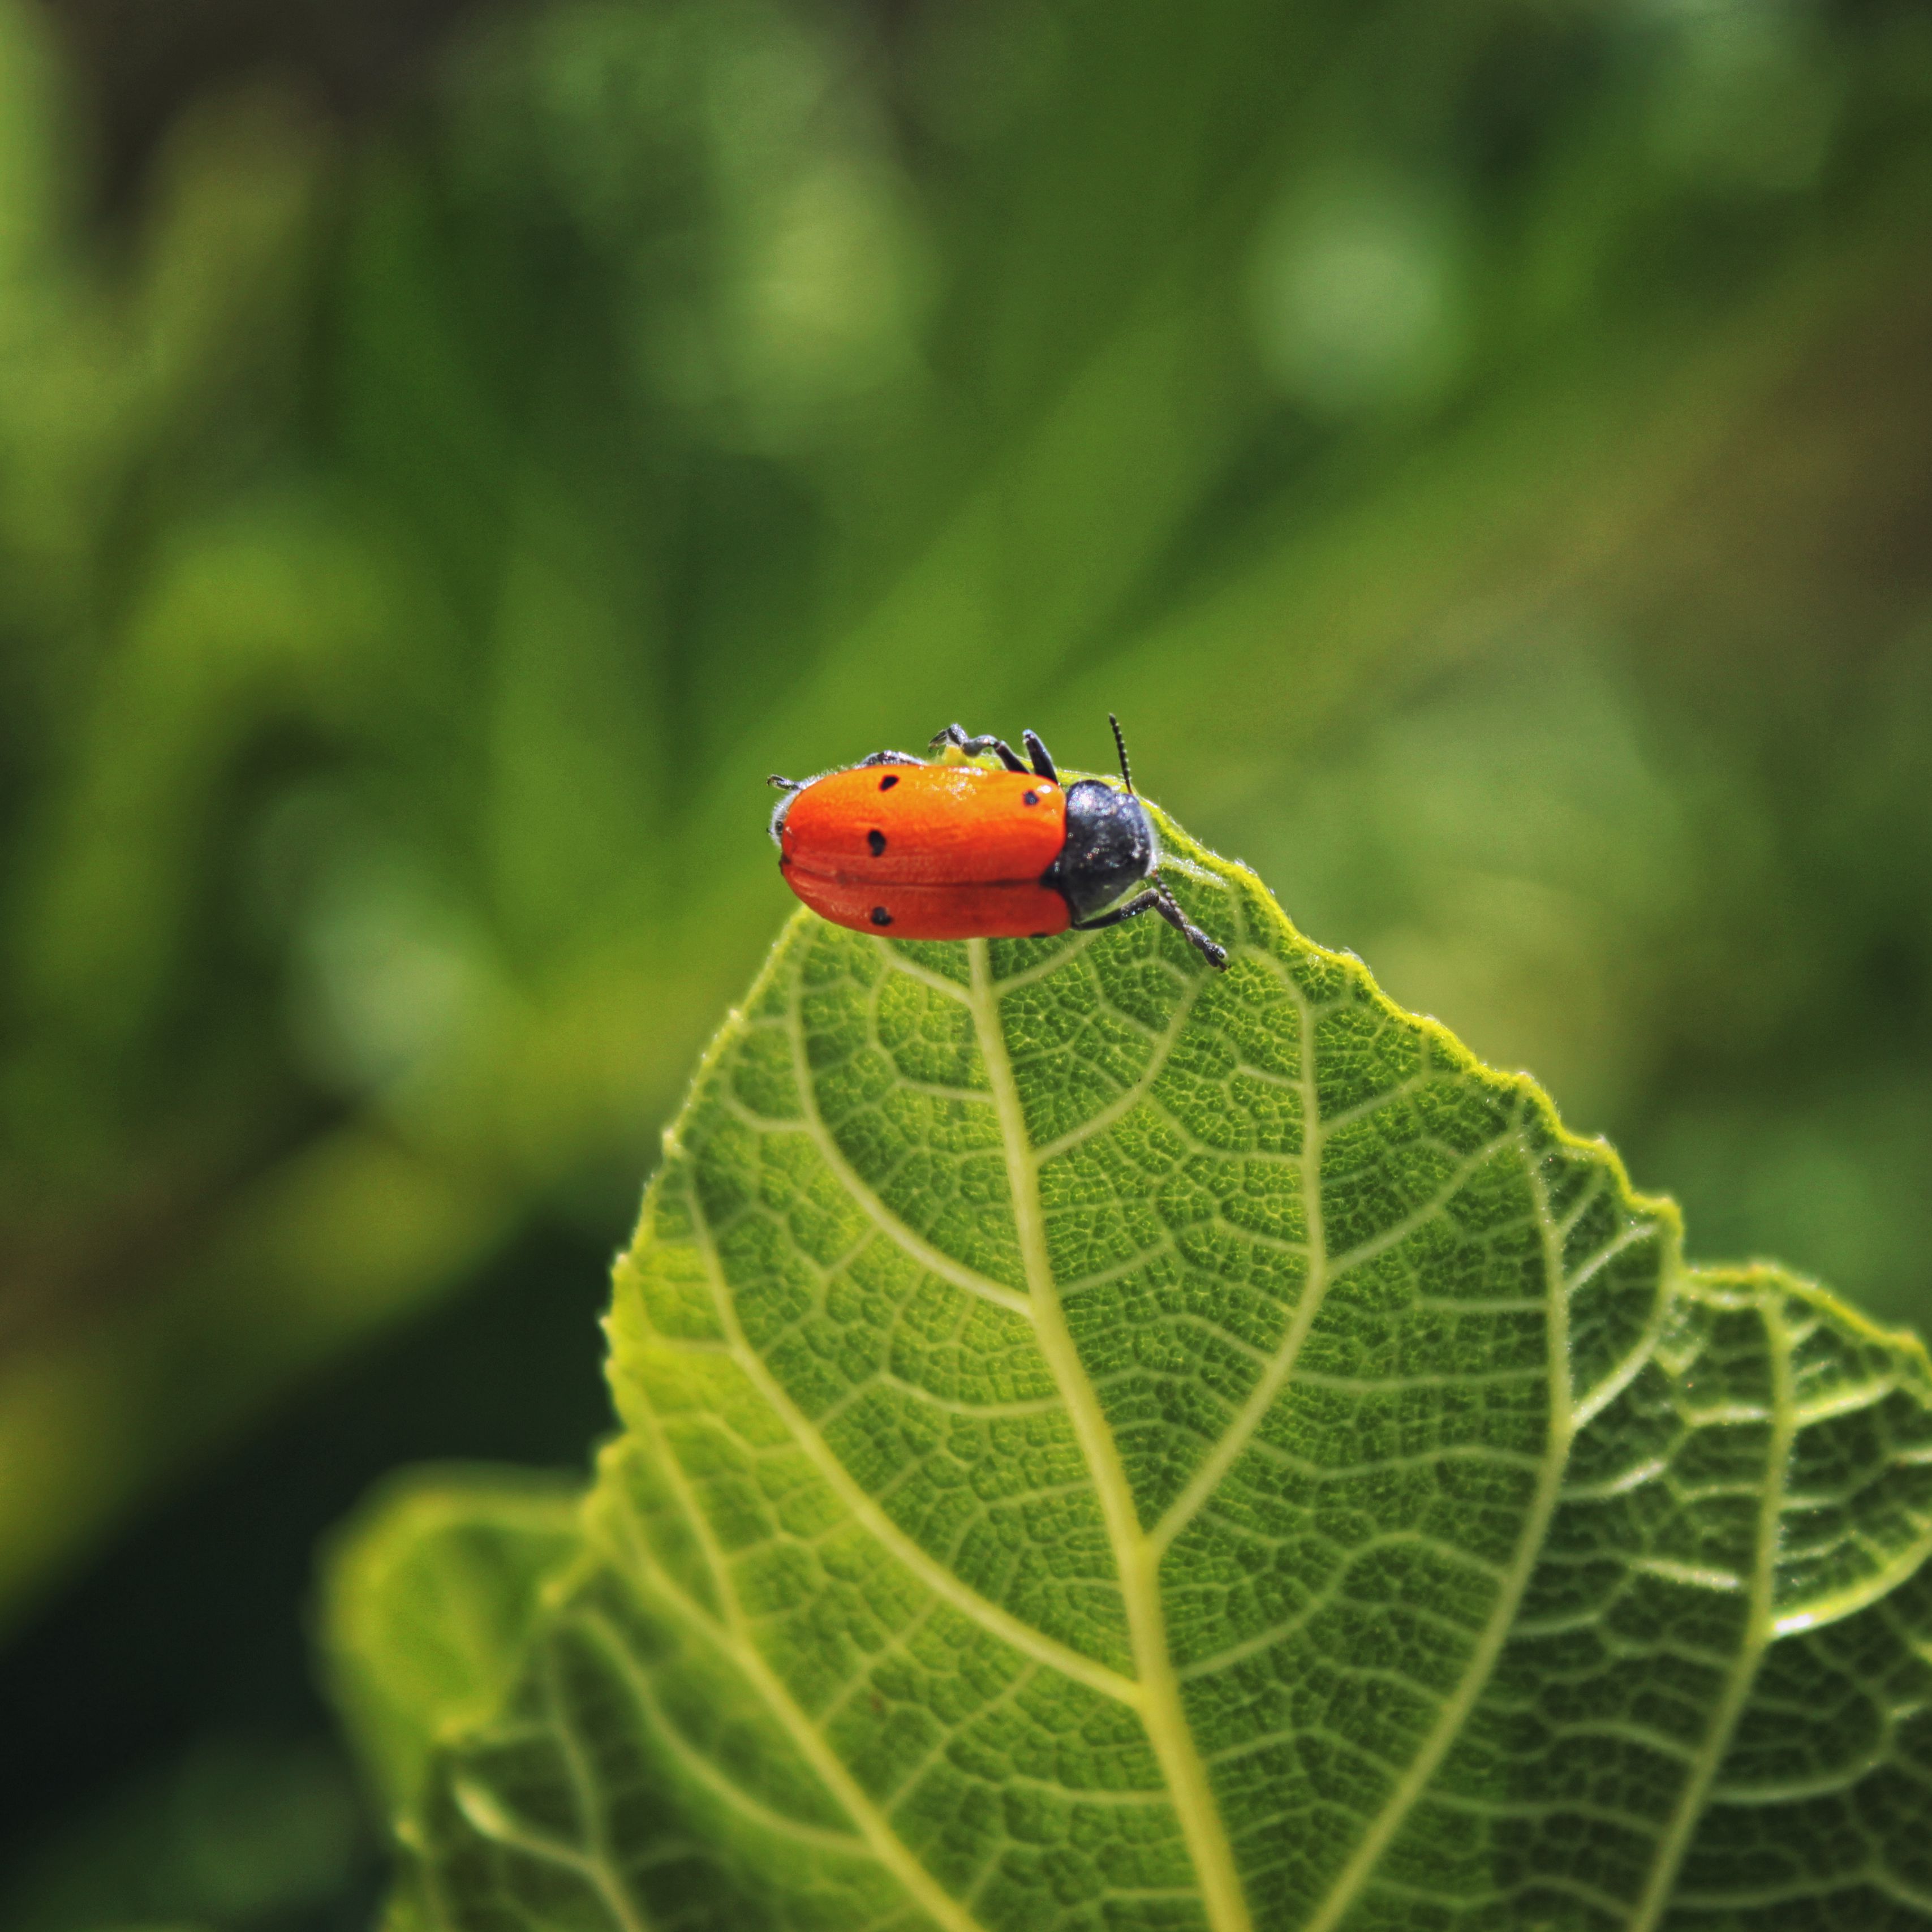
(1031,798)
(876,840)
(881,916)
(887,785)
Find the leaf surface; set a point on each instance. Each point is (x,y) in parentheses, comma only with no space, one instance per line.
(1111,1445)
(431,1597)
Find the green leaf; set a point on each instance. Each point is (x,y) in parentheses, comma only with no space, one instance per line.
(1109,1444)
(430,1596)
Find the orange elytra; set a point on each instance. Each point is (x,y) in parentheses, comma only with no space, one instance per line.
(906,850)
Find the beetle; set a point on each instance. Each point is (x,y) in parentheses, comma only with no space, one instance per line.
(896,845)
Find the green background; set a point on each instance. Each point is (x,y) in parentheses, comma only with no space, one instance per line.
(448,456)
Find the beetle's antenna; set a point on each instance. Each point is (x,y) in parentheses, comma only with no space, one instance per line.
(1164,901)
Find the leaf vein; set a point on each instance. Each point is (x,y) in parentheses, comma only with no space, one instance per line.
(928,1257)
(1129,1097)
(988,1615)
(710,1775)
(1705,1762)
(1357,1873)
(887,1846)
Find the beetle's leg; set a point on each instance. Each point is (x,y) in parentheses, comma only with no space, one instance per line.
(784,784)
(1042,759)
(954,735)
(1157,898)
(1211,950)
(892,758)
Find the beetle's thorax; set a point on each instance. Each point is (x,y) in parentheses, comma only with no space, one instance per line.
(1110,846)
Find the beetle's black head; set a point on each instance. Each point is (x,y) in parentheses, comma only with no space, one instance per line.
(1109,848)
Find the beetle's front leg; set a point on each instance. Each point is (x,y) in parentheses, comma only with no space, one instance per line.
(1042,759)
(954,735)
(1157,898)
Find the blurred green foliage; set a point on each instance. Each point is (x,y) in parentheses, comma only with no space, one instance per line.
(1479,449)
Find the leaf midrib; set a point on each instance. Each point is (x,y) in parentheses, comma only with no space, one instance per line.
(1136,1559)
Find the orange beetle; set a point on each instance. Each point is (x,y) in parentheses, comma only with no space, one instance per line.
(953,851)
